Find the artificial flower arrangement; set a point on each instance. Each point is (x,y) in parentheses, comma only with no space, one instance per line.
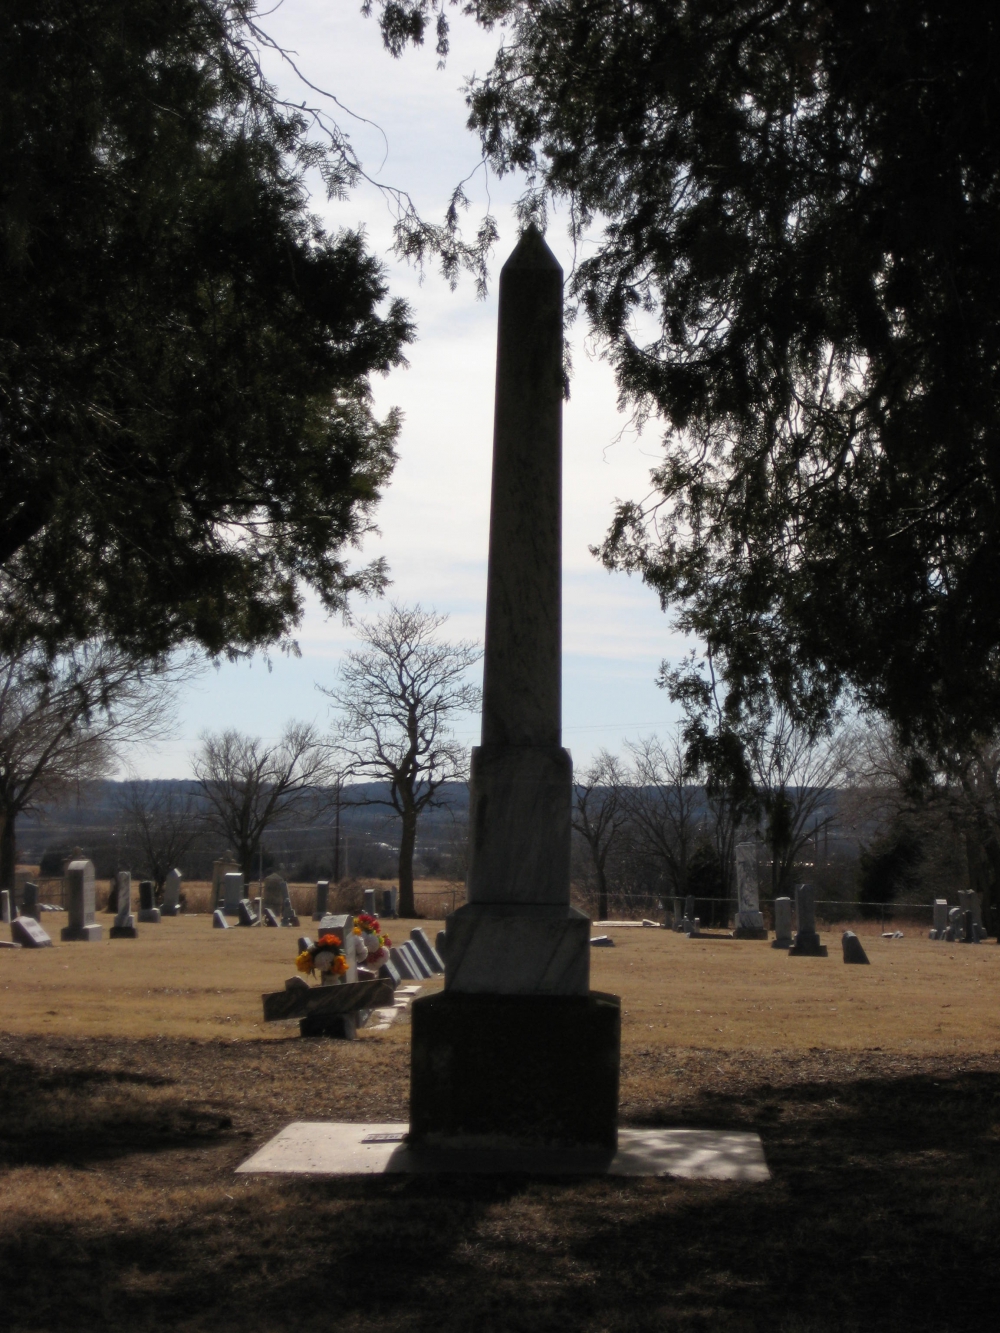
(326,957)
(369,932)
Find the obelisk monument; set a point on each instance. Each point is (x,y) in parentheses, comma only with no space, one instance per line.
(517,1049)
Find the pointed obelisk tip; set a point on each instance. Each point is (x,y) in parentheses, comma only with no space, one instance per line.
(532,252)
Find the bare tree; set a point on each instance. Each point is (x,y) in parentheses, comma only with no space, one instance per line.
(600,813)
(160,823)
(794,771)
(664,804)
(396,699)
(250,786)
(66,719)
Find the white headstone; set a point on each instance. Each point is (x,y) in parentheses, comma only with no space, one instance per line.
(80,892)
(782,923)
(171,893)
(940,918)
(6,915)
(749,921)
(123,916)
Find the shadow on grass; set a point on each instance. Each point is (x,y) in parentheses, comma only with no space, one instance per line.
(81,1115)
(881,1215)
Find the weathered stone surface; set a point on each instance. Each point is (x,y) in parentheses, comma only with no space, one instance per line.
(402,964)
(421,969)
(80,891)
(124,923)
(390,972)
(232,892)
(749,920)
(6,912)
(30,907)
(219,921)
(275,892)
(439,942)
(304,943)
(806,942)
(515,1069)
(782,923)
(342,925)
(245,914)
(940,919)
(854,951)
(517,950)
(389,900)
(419,940)
(270,919)
(322,897)
(148,910)
(288,914)
(339,999)
(602,942)
(171,904)
(368,902)
(26,931)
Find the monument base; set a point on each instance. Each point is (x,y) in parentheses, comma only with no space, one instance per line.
(123,933)
(87,933)
(781,944)
(517,949)
(149,915)
(170,911)
(807,946)
(749,933)
(494,1071)
(344,1026)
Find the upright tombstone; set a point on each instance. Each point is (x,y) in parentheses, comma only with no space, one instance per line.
(678,922)
(968,902)
(854,950)
(30,907)
(956,929)
(274,893)
(124,925)
(322,898)
(342,925)
(220,869)
(6,910)
(219,921)
(369,902)
(782,923)
(389,900)
(505,1051)
(806,942)
(148,910)
(245,914)
(232,892)
(171,904)
(289,917)
(940,926)
(749,921)
(80,895)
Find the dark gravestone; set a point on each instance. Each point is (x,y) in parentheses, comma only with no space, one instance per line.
(322,899)
(971,930)
(6,911)
(806,942)
(421,970)
(288,916)
(389,902)
(853,948)
(149,913)
(439,942)
(219,921)
(426,950)
(26,930)
(30,907)
(403,965)
(389,972)
(602,942)
(244,914)
(305,943)
(269,918)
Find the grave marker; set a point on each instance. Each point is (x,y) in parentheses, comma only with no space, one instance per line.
(749,921)
(124,923)
(274,893)
(806,942)
(854,950)
(232,892)
(26,931)
(171,904)
(940,925)
(418,938)
(782,923)
(6,914)
(148,910)
(270,919)
(30,907)
(80,892)
(368,903)
(389,900)
(288,914)
(245,914)
(322,896)
(412,955)
(402,964)
(219,921)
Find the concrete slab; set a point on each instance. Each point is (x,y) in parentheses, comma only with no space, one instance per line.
(323,1148)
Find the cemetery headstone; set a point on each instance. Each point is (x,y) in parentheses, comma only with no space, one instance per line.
(232,892)
(368,903)
(968,901)
(220,869)
(389,972)
(389,900)
(854,950)
(148,910)
(244,913)
(275,890)
(342,924)
(602,942)
(806,942)
(288,914)
(80,895)
(258,908)
(693,928)
(439,942)
(782,923)
(940,926)
(305,944)
(219,921)
(971,930)
(322,898)
(171,904)
(402,964)
(30,907)
(6,914)
(749,920)
(26,931)
(412,954)
(678,914)
(418,938)
(955,931)
(689,907)
(124,924)
(270,918)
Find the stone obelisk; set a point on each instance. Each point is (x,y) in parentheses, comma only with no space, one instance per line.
(517,1049)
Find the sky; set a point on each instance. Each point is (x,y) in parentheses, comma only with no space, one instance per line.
(406,119)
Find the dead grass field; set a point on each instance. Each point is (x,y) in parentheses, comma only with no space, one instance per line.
(134,1077)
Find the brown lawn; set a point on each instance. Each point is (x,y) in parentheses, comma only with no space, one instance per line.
(134,1076)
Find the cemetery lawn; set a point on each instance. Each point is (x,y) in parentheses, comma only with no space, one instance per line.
(136,1075)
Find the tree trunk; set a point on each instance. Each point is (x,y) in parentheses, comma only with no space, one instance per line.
(407,842)
(602,894)
(8,852)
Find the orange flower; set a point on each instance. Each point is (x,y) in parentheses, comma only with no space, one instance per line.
(330,941)
(340,964)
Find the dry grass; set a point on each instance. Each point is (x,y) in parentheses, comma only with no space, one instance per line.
(123,1113)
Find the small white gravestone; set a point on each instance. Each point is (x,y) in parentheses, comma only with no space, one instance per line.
(343,925)
(782,923)
(80,892)
(749,921)
(171,904)
(940,925)
(124,925)
(369,902)
(232,892)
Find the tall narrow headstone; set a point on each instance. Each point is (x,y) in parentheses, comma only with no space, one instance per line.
(6,912)
(124,925)
(80,895)
(505,1049)
(749,921)
(30,907)
(368,902)
(322,897)
(806,942)
(389,898)
(782,923)
(148,910)
(940,925)
(678,913)
(289,917)
(274,893)
(171,904)
(232,892)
